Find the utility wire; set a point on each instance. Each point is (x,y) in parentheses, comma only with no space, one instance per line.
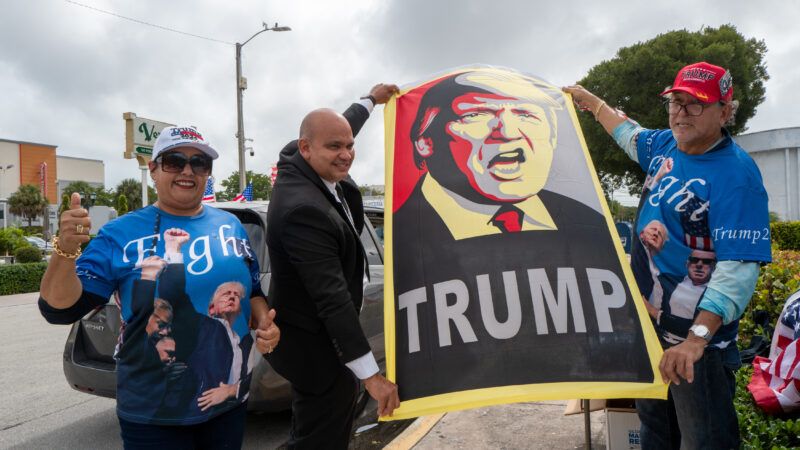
(141,22)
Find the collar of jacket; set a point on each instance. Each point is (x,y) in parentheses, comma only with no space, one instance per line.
(297,161)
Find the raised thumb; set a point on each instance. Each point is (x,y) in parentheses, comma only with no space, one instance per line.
(75,201)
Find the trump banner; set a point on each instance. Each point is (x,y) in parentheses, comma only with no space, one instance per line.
(505,280)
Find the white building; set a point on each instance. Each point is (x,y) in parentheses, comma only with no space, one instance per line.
(71,169)
(777,154)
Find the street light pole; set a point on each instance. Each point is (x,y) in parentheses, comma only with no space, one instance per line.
(241,85)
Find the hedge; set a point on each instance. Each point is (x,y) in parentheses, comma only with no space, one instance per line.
(786,235)
(28,254)
(33,230)
(776,282)
(757,429)
(20,278)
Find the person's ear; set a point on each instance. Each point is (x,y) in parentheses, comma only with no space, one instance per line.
(424,146)
(727,112)
(304,145)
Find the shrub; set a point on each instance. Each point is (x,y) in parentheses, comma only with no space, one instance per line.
(11,238)
(21,278)
(776,282)
(786,235)
(34,230)
(757,429)
(28,254)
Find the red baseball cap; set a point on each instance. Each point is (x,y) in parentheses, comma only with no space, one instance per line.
(705,82)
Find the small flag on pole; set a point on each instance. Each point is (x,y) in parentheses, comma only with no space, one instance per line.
(273,174)
(208,194)
(246,195)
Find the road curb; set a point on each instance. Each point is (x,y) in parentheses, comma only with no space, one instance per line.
(414,433)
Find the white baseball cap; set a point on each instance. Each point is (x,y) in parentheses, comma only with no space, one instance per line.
(172,137)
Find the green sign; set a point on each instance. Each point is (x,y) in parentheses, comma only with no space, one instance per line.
(144,150)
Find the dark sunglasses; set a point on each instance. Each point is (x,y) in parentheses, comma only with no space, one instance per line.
(706,261)
(176,161)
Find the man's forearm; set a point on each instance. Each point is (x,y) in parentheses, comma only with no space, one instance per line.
(61,287)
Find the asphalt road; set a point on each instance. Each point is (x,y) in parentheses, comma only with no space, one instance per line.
(39,409)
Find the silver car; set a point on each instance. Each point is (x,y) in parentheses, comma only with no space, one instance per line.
(89,364)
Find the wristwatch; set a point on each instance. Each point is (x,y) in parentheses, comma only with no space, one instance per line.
(371,98)
(701,331)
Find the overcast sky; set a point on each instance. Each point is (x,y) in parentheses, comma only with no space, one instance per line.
(67,73)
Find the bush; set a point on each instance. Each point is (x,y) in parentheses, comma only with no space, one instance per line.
(786,235)
(34,230)
(10,239)
(21,278)
(757,429)
(776,282)
(28,254)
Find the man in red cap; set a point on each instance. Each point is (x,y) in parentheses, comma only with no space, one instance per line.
(712,190)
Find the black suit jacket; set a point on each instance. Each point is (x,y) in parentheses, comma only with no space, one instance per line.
(317,270)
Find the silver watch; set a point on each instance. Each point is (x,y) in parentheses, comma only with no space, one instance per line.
(701,331)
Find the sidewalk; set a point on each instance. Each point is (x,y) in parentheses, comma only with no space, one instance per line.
(540,425)
(19,299)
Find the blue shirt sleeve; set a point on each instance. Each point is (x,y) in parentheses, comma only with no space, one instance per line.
(94,266)
(648,146)
(254,267)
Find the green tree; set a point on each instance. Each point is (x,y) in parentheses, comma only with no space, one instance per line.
(132,190)
(90,195)
(262,187)
(104,197)
(12,238)
(632,80)
(122,205)
(65,204)
(27,202)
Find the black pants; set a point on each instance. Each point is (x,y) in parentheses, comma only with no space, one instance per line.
(325,420)
(225,431)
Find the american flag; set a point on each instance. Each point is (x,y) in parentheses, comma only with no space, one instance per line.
(273,175)
(246,195)
(775,383)
(694,221)
(208,194)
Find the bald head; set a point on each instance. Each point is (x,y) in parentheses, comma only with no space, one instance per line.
(322,118)
(326,143)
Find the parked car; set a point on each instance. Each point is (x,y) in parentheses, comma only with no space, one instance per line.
(39,243)
(89,364)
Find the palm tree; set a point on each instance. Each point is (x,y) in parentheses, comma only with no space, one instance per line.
(27,202)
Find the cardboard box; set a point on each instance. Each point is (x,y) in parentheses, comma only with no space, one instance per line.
(622,429)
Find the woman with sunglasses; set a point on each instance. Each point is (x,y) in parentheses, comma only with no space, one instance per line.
(152,410)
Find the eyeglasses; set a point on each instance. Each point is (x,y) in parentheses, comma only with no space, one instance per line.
(706,261)
(692,109)
(175,162)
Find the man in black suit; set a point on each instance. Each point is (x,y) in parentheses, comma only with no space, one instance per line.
(479,239)
(318,266)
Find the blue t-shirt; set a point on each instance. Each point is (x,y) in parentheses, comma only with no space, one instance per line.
(174,346)
(695,210)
